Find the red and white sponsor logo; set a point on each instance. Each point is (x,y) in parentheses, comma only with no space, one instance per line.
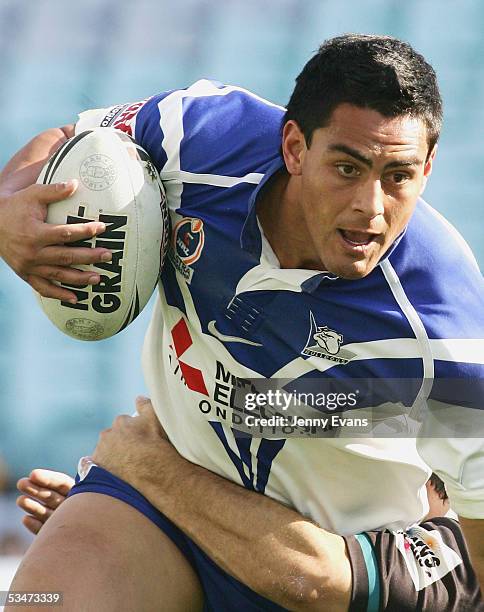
(182,341)
(124,121)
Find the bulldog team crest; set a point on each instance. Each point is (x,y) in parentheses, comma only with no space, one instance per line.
(326,343)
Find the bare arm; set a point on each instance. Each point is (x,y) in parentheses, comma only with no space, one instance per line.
(25,166)
(32,248)
(269,547)
(474,534)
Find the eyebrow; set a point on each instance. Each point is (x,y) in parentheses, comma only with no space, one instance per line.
(342,148)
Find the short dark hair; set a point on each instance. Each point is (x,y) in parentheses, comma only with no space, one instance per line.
(377,72)
(439,486)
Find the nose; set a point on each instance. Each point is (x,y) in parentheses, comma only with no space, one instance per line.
(369,199)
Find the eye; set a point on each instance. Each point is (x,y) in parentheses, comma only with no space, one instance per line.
(399,177)
(347,170)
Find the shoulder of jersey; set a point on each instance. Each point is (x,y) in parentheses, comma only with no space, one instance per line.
(119,185)
(229,118)
(437,238)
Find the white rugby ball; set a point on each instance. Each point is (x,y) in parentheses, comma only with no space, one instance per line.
(119,185)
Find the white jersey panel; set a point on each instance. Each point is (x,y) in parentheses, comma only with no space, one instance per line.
(345,485)
(227,312)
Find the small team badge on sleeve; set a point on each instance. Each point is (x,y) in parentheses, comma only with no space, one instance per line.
(187,245)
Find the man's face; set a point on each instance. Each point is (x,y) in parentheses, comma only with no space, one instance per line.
(356,185)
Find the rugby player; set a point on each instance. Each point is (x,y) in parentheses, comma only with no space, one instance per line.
(426,567)
(306,252)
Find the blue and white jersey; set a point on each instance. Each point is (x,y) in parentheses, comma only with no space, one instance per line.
(227,312)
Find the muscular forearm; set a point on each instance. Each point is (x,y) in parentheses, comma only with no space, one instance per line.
(267,546)
(25,166)
(474,534)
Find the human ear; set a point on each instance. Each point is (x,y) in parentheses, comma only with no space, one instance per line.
(293,147)
(428,168)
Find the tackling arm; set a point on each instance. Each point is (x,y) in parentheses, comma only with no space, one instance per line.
(474,534)
(269,547)
(25,166)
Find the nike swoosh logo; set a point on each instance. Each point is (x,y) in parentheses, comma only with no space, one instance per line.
(223,338)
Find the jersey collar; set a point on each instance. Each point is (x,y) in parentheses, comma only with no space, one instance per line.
(250,237)
(253,241)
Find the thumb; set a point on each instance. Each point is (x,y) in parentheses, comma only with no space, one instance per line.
(45,194)
(144,407)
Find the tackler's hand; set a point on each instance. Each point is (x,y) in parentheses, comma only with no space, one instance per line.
(134,446)
(43,491)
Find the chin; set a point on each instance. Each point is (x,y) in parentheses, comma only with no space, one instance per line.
(354,275)
(353,271)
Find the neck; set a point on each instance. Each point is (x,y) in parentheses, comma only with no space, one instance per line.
(279,214)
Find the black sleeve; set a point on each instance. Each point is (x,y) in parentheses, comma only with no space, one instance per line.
(359,589)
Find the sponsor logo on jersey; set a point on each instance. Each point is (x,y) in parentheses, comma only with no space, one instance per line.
(326,343)
(226,395)
(223,338)
(225,387)
(192,377)
(187,245)
(123,117)
(112,114)
(426,555)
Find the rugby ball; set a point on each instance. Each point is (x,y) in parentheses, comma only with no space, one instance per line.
(119,185)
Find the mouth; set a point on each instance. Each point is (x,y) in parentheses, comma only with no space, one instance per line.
(357,239)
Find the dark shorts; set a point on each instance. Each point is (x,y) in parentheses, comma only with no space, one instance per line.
(223,593)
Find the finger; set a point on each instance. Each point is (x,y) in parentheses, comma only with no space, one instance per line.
(49,479)
(72,232)
(145,409)
(34,508)
(22,483)
(32,524)
(120,421)
(70,256)
(46,194)
(68,276)
(50,290)
(50,498)
(144,406)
